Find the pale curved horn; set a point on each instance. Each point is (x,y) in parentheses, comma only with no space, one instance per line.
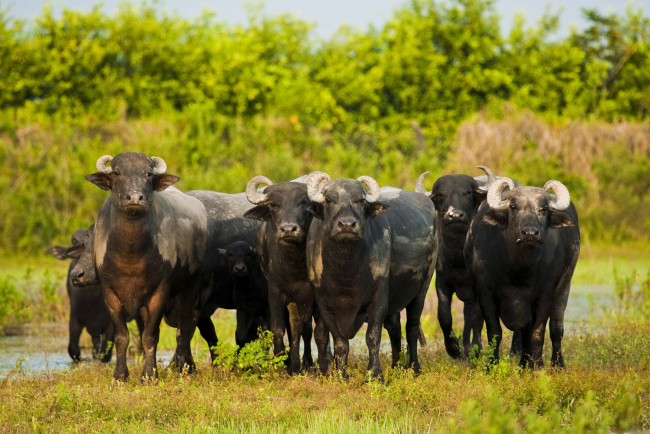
(419,188)
(315,183)
(102,164)
(562,199)
(159,165)
(254,196)
(494,193)
(373,188)
(491,177)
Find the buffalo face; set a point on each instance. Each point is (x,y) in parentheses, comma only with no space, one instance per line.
(83,272)
(285,206)
(240,257)
(132,178)
(456,198)
(526,213)
(346,205)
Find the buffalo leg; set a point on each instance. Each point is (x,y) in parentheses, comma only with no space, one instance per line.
(341,350)
(208,333)
(413,315)
(307,332)
(473,326)
(393,326)
(537,344)
(140,324)
(376,314)
(277,313)
(74,328)
(492,323)
(118,316)
(187,325)
(526,360)
(515,347)
(152,315)
(444,318)
(241,332)
(322,338)
(296,326)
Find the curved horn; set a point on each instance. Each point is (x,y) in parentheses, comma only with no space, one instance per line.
(491,177)
(252,194)
(419,188)
(102,164)
(314,183)
(373,188)
(159,165)
(562,199)
(494,193)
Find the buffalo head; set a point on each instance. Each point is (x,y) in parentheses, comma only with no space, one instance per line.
(240,256)
(285,206)
(346,204)
(455,197)
(527,213)
(132,178)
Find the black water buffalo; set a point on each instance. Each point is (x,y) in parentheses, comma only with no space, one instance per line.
(87,308)
(286,214)
(456,199)
(148,249)
(226,224)
(250,291)
(521,250)
(370,254)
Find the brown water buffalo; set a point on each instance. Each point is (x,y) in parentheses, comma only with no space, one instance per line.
(148,249)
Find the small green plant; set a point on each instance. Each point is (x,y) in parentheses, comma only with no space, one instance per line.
(253,359)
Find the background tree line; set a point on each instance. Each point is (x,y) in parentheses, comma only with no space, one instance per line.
(439,87)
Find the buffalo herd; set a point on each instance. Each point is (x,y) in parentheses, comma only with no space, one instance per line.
(317,258)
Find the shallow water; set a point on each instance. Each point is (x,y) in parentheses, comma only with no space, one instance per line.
(35,349)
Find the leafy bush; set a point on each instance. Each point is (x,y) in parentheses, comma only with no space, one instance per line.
(253,359)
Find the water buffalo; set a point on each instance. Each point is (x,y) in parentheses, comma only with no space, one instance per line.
(148,248)
(456,199)
(370,254)
(226,224)
(521,250)
(286,214)
(87,308)
(250,291)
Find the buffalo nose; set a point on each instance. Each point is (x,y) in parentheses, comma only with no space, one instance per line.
(455,214)
(239,268)
(289,228)
(347,223)
(530,231)
(76,274)
(134,196)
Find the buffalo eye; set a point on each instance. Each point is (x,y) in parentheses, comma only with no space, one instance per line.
(116,172)
(328,200)
(273,205)
(513,206)
(149,174)
(362,201)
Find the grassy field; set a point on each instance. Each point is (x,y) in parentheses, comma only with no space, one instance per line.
(605,387)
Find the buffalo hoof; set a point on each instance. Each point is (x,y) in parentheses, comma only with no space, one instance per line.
(453,348)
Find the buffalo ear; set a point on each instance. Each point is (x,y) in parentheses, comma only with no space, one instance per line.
(495,218)
(560,220)
(316,209)
(259,212)
(164,180)
(59,252)
(373,209)
(101,180)
(479,196)
(222,252)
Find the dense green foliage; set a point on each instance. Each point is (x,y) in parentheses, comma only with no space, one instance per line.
(223,103)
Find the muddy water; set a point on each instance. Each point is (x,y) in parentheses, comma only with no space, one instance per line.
(35,349)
